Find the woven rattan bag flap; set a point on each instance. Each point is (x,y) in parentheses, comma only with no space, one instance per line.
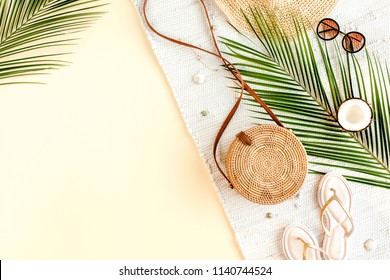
(310,10)
(269,170)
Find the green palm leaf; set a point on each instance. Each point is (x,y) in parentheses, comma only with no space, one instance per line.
(32,32)
(305,89)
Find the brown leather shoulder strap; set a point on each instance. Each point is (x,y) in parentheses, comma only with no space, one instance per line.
(232,69)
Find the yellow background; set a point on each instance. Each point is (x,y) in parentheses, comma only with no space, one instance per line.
(97,163)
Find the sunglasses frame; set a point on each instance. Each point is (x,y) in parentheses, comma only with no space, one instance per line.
(346,35)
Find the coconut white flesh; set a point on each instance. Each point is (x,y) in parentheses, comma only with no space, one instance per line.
(354,115)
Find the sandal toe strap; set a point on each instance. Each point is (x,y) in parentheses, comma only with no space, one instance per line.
(337,199)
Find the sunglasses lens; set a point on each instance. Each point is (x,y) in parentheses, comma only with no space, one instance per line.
(328,29)
(353,42)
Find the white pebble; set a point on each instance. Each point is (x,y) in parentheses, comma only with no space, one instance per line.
(199,79)
(370,245)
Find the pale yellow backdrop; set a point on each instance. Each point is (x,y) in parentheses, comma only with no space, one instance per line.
(97,163)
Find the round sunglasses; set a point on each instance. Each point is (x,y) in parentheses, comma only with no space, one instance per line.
(328,29)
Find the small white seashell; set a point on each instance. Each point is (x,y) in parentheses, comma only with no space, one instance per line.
(199,78)
(370,245)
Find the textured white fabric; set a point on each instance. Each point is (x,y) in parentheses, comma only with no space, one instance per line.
(205,106)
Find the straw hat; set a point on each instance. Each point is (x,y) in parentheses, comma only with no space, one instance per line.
(311,11)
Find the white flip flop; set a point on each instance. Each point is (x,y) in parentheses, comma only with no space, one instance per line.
(297,240)
(335,199)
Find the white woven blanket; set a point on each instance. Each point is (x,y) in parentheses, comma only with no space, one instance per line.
(204,107)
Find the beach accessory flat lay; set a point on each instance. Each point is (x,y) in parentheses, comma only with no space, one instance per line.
(200,88)
(266,164)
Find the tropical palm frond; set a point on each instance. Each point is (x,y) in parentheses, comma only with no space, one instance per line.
(305,85)
(31,32)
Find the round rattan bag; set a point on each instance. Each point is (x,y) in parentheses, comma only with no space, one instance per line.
(269,168)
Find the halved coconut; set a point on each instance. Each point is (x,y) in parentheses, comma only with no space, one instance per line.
(354,114)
